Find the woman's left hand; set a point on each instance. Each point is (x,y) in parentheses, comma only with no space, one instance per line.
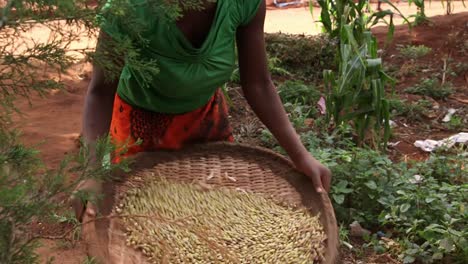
(316,171)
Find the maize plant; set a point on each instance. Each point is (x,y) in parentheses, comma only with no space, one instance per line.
(420,17)
(449,5)
(356,93)
(333,12)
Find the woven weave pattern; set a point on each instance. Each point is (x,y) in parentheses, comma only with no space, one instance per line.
(224,164)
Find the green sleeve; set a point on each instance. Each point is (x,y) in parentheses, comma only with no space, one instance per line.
(248,9)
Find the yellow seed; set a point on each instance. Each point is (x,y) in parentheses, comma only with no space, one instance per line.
(189,224)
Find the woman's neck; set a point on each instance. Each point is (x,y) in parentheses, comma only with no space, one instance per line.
(196,24)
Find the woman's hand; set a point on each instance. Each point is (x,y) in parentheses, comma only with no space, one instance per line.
(86,208)
(317,172)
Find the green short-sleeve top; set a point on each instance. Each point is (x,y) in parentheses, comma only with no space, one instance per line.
(188,76)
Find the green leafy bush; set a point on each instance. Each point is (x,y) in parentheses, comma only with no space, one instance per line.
(305,57)
(28,190)
(298,92)
(412,111)
(420,204)
(414,52)
(432,88)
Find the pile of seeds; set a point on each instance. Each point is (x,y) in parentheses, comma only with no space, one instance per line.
(179,223)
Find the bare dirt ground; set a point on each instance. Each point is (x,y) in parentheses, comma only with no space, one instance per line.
(447,36)
(55,121)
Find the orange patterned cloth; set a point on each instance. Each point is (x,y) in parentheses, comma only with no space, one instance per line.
(169,131)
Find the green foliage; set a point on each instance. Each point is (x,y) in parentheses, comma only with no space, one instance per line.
(27,190)
(299,100)
(422,203)
(27,187)
(295,51)
(15,199)
(275,67)
(298,92)
(335,14)
(299,113)
(432,88)
(420,17)
(343,233)
(414,52)
(456,123)
(461,68)
(90,260)
(356,92)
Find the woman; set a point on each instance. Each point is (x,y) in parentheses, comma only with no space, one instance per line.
(183,104)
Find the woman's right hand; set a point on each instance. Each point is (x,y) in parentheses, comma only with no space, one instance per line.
(92,188)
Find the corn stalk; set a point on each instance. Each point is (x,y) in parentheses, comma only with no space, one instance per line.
(356,92)
(420,16)
(449,5)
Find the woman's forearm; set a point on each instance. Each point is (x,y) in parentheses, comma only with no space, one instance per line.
(266,103)
(97,117)
(98,107)
(99,101)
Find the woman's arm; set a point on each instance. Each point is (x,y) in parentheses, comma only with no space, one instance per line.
(262,96)
(97,117)
(99,100)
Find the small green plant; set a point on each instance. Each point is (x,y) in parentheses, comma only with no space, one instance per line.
(432,88)
(456,123)
(414,52)
(27,190)
(411,111)
(298,92)
(409,68)
(344,233)
(70,220)
(90,260)
(275,67)
(298,114)
(461,68)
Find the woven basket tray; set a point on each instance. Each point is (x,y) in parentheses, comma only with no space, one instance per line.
(255,169)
